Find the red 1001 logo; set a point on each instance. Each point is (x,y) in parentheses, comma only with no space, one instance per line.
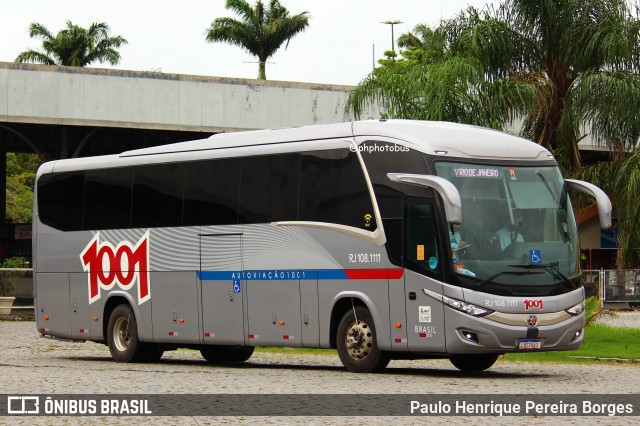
(532,303)
(124,265)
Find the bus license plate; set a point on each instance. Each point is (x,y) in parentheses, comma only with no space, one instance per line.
(529,344)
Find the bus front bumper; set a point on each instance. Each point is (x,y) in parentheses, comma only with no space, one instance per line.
(468,334)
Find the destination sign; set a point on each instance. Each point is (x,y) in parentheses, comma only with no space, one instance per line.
(476,172)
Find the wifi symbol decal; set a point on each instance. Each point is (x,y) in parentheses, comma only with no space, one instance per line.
(367,220)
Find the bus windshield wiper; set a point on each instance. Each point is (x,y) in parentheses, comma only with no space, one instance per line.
(494,276)
(546,184)
(552,267)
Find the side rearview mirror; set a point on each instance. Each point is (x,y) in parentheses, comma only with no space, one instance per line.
(602,200)
(448,192)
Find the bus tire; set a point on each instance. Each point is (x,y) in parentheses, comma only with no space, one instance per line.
(473,363)
(223,355)
(357,343)
(122,336)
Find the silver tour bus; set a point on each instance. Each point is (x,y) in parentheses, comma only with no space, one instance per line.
(381,239)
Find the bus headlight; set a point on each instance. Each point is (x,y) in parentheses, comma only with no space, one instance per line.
(576,310)
(465,307)
(458,305)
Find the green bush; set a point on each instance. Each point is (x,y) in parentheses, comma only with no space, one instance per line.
(7,278)
(593,311)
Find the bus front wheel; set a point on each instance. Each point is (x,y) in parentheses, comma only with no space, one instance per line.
(357,342)
(122,336)
(473,362)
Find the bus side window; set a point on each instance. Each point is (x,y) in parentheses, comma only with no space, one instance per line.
(60,197)
(333,189)
(393,231)
(385,157)
(157,195)
(211,192)
(107,198)
(269,188)
(421,243)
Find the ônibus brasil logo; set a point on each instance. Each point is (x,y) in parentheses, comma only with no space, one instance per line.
(124,265)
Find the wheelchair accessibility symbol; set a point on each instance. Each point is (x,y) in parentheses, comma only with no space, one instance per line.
(236,286)
(535,256)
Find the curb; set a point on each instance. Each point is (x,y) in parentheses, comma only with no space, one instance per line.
(618,360)
(18,317)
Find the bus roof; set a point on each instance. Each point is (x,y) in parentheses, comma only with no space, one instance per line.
(458,140)
(455,140)
(431,137)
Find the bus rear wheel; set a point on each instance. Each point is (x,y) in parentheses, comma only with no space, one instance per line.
(221,355)
(473,362)
(122,337)
(357,342)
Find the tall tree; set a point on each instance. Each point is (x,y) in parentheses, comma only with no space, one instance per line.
(21,176)
(260,31)
(432,82)
(565,66)
(565,69)
(74,46)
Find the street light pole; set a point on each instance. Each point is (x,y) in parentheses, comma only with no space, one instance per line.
(392,23)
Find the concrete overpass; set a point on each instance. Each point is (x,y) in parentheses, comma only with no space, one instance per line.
(89,98)
(61,112)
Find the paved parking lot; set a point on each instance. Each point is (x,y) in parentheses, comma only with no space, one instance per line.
(32,365)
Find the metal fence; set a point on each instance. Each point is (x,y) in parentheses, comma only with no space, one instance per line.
(615,286)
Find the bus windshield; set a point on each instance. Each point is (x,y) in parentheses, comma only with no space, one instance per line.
(517,226)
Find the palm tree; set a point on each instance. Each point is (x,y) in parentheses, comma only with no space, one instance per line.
(74,46)
(566,69)
(565,66)
(419,38)
(433,82)
(260,31)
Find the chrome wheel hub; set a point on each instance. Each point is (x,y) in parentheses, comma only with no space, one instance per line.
(359,340)
(121,334)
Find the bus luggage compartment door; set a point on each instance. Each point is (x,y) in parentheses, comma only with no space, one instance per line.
(175,309)
(274,311)
(81,313)
(222,289)
(52,304)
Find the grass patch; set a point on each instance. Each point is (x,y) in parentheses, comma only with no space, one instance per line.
(601,341)
(297,350)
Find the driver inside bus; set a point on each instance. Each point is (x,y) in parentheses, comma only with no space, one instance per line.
(509,233)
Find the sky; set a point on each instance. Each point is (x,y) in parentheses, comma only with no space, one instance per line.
(338,47)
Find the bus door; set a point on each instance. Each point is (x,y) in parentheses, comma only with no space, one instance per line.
(424,263)
(222,289)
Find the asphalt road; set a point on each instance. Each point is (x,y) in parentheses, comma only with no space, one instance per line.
(32,365)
